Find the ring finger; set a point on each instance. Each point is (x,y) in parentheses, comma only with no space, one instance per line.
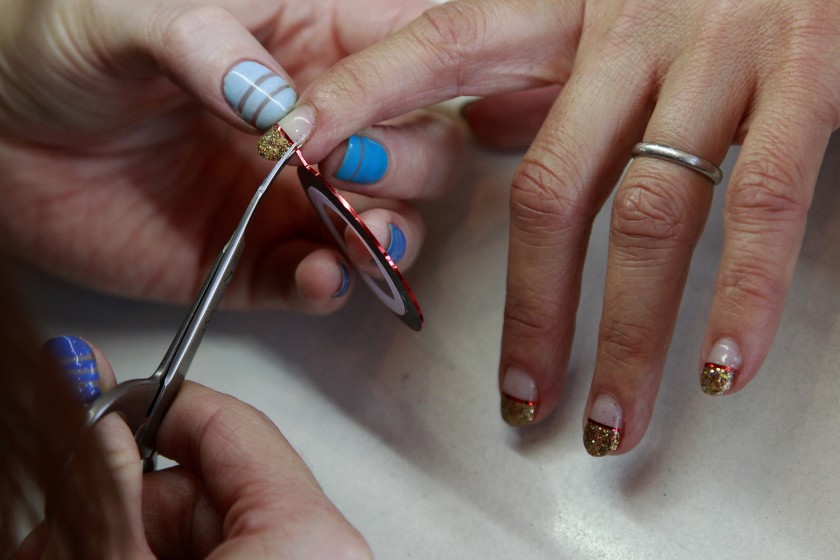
(658,214)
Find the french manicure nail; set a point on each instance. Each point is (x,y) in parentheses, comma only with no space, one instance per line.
(365,161)
(257,94)
(345,280)
(602,433)
(721,367)
(519,397)
(77,363)
(397,245)
(273,144)
(299,123)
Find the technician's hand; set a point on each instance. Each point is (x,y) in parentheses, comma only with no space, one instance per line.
(592,79)
(128,136)
(239,489)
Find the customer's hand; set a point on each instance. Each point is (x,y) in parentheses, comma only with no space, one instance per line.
(590,80)
(121,164)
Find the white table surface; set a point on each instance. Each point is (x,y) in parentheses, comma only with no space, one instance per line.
(403,430)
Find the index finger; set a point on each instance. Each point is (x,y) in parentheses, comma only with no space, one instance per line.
(466,47)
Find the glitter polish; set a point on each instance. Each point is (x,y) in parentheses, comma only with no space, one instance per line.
(721,367)
(602,433)
(519,398)
(273,144)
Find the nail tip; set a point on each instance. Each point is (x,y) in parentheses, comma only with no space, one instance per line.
(273,144)
(516,412)
(717,379)
(600,440)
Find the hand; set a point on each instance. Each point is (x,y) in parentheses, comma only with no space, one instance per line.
(121,160)
(239,489)
(591,79)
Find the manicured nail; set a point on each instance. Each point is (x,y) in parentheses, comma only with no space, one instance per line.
(257,94)
(299,123)
(519,398)
(602,434)
(365,161)
(273,144)
(721,367)
(76,361)
(345,280)
(396,247)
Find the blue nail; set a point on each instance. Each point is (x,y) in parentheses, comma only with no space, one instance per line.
(345,280)
(75,359)
(257,94)
(396,248)
(365,161)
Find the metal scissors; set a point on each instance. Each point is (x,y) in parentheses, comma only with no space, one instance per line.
(143,403)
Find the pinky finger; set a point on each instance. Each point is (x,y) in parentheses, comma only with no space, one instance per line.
(764,222)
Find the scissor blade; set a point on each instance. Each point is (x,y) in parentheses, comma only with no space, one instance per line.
(173,368)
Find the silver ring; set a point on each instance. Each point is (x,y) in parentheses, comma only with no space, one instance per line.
(669,153)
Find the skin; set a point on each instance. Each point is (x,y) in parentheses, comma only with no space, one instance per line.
(581,82)
(124,168)
(239,491)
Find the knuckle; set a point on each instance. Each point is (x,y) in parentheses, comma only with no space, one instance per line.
(178,25)
(626,343)
(748,284)
(647,209)
(768,192)
(545,201)
(451,33)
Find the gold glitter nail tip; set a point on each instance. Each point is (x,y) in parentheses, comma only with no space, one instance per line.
(717,379)
(273,144)
(516,412)
(600,440)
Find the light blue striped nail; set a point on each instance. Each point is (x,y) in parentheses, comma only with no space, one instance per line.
(77,363)
(345,280)
(257,94)
(365,161)
(396,247)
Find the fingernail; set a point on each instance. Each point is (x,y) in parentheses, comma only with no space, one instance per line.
(273,144)
(299,123)
(257,94)
(519,398)
(396,247)
(721,367)
(365,161)
(76,361)
(602,434)
(466,109)
(345,280)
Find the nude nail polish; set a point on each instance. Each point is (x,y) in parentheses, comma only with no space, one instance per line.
(602,433)
(519,397)
(257,94)
(721,367)
(299,123)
